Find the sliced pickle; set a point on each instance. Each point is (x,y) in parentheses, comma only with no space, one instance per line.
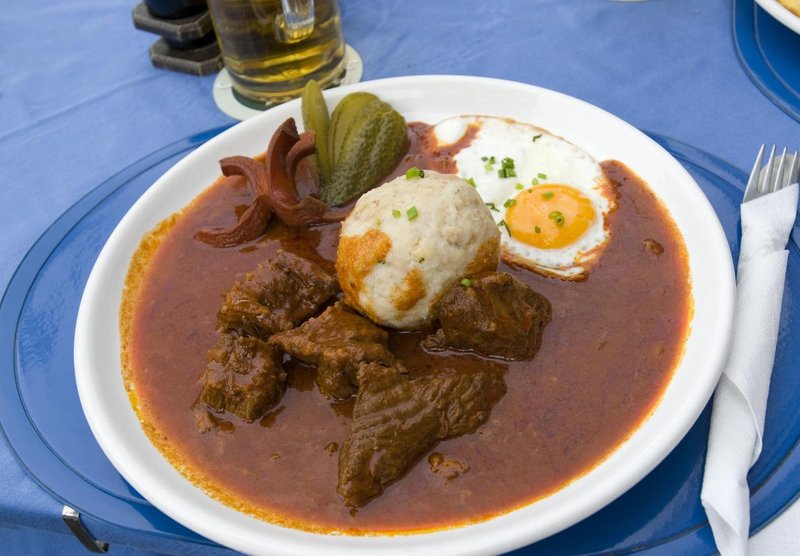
(361,142)
(316,118)
(372,146)
(343,118)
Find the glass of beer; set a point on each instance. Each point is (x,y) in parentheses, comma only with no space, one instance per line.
(271,48)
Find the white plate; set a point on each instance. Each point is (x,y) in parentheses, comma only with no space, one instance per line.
(428,98)
(779,12)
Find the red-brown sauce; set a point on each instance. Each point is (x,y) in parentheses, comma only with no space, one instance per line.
(605,360)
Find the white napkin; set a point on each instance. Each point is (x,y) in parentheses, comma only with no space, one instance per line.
(740,402)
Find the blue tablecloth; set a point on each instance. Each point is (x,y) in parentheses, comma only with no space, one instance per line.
(79,100)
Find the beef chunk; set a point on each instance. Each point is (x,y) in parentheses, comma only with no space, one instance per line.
(244,377)
(280,294)
(397,419)
(496,315)
(336,342)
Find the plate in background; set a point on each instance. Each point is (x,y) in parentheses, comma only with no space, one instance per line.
(781,13)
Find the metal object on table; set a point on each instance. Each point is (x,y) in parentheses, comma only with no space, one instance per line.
(73,520)
(179,30)
(187,44)
(766,180)
(763,181)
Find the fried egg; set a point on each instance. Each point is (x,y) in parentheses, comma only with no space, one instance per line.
(550,199)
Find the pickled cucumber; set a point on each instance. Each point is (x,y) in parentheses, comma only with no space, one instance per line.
(350,108)
(369,148)
(316,118)
(365,139)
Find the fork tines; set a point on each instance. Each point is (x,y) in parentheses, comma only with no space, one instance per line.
(768,180)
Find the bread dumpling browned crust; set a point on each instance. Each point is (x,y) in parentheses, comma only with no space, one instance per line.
(408,241)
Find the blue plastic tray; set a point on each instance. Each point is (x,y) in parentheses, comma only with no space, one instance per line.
(768,52)
(43,422)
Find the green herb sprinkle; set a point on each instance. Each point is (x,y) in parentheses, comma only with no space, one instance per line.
(558,217)
(414,172)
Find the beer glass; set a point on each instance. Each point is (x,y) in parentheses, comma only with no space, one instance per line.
(271,48)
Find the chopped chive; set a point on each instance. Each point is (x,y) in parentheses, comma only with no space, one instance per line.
(558,217)
(537,229)
(414,173)
(507,162)
(490,162)
(535,181)
(492,207)
(471,181)
(421,260)
(542,176)
(377,221)
(535,137)
(510,203)
(519,186)
(466,282)
(412,213)
(484,158)
(547,195)
(396,213)
(506,173)
(503,224)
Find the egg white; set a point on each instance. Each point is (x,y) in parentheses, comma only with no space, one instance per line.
(557,159)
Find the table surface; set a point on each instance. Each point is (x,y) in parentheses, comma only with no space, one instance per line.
(79,100)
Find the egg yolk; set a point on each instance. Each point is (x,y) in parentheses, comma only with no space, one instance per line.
(550,216)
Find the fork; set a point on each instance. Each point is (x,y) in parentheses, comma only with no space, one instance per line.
(765,181)
(740,402)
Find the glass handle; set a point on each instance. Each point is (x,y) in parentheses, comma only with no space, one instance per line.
(296,22)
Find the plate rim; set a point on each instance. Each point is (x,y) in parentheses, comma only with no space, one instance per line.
(781,13)
(600,496)
(753,60)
